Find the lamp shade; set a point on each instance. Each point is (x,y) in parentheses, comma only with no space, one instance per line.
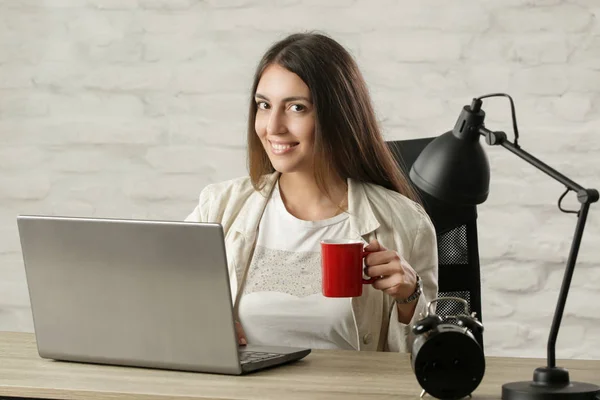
(453,168)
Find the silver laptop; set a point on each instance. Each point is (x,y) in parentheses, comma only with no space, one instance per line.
(137,293)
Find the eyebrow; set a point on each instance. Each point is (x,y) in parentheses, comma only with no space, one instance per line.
(291,98)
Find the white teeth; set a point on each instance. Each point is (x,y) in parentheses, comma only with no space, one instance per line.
(277,146)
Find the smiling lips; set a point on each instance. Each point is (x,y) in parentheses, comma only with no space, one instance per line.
(282,148)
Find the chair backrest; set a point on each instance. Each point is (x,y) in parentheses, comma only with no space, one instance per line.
(456,229)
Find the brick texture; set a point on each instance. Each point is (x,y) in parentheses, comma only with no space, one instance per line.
(128,108)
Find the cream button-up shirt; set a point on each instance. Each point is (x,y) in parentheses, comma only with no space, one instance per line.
(375,213)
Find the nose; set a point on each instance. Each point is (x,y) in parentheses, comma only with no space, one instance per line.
(276,124)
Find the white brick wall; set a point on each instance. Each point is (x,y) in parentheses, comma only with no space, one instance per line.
(127,108)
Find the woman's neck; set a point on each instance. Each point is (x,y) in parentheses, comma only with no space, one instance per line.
(305,200)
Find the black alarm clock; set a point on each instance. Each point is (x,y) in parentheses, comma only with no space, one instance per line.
(446,358)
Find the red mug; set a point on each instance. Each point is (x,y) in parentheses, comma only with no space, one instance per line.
(342,268)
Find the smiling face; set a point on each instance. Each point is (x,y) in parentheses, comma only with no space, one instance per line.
(285,119)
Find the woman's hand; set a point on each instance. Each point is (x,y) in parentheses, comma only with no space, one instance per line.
(241,335)
(395,276)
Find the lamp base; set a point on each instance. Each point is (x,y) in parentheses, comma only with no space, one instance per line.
(550,383)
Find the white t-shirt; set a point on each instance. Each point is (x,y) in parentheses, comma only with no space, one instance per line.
(282,302)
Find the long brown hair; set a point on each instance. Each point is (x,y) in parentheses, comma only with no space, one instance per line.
(348,141)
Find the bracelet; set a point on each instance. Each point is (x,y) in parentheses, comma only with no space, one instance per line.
(416,294)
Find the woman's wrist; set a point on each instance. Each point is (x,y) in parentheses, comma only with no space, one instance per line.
(407,305)
(413,296)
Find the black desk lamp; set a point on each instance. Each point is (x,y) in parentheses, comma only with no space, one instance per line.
(455,169)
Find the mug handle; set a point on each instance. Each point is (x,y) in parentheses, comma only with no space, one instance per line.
(370,280)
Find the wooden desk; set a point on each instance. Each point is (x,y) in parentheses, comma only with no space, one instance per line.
(322,375)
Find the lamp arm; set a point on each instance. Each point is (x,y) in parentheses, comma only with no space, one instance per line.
(499,138)
(566,283)
(584,196)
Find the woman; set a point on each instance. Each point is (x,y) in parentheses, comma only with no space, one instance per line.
(320,169)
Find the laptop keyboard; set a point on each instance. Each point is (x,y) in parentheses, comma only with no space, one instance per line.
(257,356)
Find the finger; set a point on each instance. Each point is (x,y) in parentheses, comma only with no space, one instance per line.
(388,284)
(241,335)
(386,269)
(382,257)
(374,245)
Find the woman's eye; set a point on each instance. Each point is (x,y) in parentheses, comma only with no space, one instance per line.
(262,105)
(298,107)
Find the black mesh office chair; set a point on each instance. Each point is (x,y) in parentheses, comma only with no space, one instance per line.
(456,229)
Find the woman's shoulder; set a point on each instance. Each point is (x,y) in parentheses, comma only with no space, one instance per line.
(221,199)
(394,200)
(232,189)
(226,188)
(396,206)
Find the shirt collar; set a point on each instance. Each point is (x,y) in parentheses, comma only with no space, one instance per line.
(362,217)
(249,216)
